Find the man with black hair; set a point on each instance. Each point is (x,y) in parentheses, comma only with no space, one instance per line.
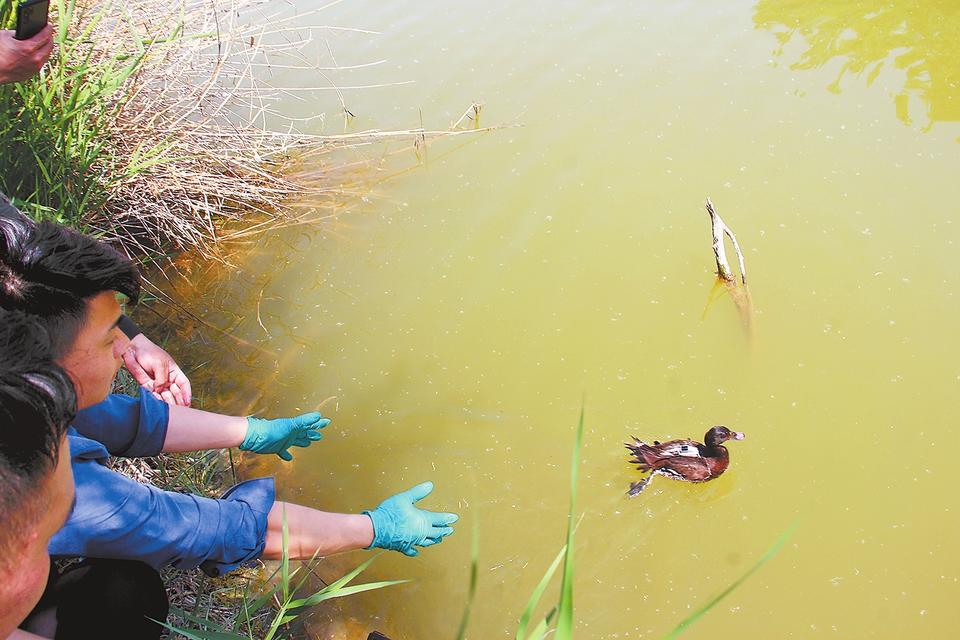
(150,366)
(70,282)
(37,402)
(36,485)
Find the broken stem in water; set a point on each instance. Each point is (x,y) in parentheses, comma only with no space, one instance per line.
(720,228)
(725,276)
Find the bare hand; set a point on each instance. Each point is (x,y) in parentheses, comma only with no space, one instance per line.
(21,59)
(156,371)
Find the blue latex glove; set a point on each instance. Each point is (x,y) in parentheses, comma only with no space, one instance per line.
(276,436)
(399,525)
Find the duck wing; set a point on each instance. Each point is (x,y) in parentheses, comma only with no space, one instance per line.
(681,448)
(649,456)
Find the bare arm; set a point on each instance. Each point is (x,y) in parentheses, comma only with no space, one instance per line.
(193,430)
(313,532)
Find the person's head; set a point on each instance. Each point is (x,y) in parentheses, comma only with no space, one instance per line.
(37,402)
(69,282)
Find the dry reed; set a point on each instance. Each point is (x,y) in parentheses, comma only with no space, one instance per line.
(197,129)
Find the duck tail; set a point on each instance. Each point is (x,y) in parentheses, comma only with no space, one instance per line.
(636,446)
(640,451)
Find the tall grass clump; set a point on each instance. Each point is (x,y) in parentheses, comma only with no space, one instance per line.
(155,123)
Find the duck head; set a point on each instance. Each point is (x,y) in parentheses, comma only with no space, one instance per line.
(720,434)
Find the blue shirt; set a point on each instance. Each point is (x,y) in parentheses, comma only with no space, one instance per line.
(117,517)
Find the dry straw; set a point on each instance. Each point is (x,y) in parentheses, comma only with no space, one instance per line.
(194,140)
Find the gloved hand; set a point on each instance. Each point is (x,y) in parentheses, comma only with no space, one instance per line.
(399,525)
(276,436)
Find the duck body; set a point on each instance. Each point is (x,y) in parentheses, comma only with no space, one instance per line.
(685,460)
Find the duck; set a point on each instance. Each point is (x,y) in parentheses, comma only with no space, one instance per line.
(685,460)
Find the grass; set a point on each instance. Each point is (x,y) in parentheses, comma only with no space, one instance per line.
(155,125)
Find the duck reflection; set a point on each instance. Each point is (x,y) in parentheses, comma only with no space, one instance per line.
(921,38)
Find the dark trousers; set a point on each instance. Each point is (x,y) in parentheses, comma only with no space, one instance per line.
(105,599)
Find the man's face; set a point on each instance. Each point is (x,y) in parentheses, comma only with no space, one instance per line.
(26,582)
(96,354)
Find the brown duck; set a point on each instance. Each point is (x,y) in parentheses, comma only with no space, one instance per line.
(682,459)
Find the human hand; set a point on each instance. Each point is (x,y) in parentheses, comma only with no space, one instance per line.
(399,525)
(21,59)
(276,436)
(156,371)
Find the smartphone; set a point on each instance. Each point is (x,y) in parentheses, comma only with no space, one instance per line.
(31,18)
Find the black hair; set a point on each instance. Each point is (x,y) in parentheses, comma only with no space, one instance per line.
(37,403)
(49,271)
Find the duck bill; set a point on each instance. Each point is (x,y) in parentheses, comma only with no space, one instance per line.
(736,435)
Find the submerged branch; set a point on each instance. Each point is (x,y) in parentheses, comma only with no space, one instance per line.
(726,280)
(720,228)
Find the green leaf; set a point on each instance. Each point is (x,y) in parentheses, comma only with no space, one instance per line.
(203,622)
(565,609)
(285,559)
(340,582)
(540,631)
(702,610)
(325,594)
(537,594)
(196,634)
(251,608)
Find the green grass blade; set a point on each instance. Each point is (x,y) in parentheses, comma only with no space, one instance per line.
(537,594)
(306,574)
(540,630)
(565,608)
(203,622)
(285,559)
(702,610)
(340,582)
(325,594)
(474,570)
(258,603)
(196,634)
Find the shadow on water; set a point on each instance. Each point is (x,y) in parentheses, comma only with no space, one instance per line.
(920,39)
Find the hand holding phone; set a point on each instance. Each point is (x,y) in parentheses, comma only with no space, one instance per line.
(22,59)
(31,18)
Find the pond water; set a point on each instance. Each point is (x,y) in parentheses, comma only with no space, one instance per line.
(453,323)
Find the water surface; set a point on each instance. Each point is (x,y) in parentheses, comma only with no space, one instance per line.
(452,325)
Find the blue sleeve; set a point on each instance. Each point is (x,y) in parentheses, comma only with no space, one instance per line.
(127,426)
(116,517)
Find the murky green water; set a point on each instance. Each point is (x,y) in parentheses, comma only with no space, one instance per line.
(460,316)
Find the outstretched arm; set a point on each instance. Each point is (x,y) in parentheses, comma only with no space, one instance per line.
(193,430)
(315,532)
(397,524)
